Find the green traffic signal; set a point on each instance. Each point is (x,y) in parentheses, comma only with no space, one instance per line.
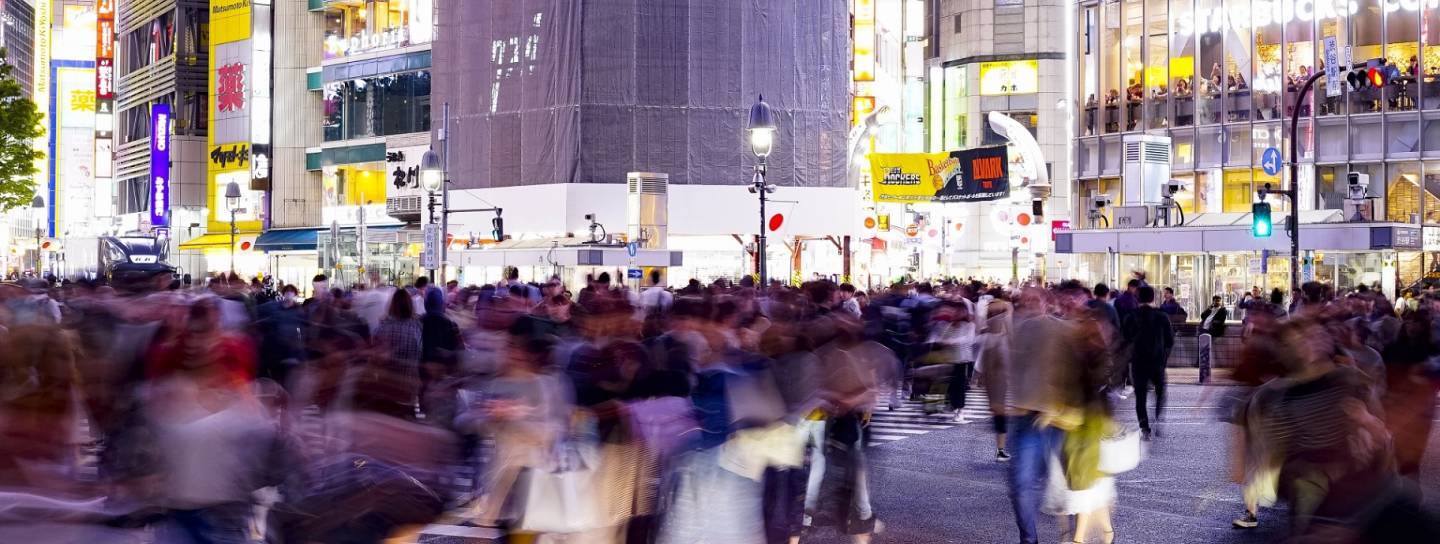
(1260,224)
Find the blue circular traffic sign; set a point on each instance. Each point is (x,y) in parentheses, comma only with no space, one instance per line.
(1270,161)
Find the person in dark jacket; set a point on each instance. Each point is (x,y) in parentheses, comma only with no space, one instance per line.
(280,327)
(439,345)
(1127,302)
(1148,338)
(1212,320)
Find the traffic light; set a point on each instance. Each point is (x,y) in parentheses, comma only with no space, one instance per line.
(1375,75)
(1260,224)
(498,228)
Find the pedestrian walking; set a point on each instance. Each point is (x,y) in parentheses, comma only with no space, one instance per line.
(1147,341)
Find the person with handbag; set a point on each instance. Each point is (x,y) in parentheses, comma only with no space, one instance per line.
(1080,484)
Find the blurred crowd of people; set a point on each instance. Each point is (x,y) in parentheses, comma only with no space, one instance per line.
(736,413)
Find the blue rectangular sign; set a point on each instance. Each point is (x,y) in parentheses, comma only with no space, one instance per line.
(160,165)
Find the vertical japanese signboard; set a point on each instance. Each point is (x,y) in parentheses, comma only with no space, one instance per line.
(159,165)
(104,105)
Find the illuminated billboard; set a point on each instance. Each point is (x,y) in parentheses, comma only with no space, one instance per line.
(1009,77)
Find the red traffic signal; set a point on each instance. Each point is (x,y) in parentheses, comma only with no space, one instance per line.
(1376,76)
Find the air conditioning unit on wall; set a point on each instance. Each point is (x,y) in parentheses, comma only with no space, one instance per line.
(1146,168)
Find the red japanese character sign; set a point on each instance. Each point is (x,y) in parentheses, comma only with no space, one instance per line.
(230,87)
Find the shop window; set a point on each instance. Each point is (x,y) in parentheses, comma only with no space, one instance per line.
(1186,197)
(1365,30)
(1367,139)
(1157,72)
(1210,84)
(1300,51)
(1182,63)
(1208,194)
(1402,193)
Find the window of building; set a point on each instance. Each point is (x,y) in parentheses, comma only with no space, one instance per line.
(1402,136)
(148,44)
(1365,31)
(1299,59)
(1367,138)
(1402,50)
(1088,72)
(1183,155)
(1237,70)
(1330,188)
(1134,67)
(1239,139)
(1209,147)
(1431,210)
(956,120)
(1211,70)
(1267,82)
(1378,185)
(1157,64)
(1430,82)
(375,25)
(383,105)
(1402,192)
(1111,73)
(958,24)
(1237,191)
(1430,134)
(1182,64)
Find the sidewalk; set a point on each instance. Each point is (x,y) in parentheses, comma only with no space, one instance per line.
(1190,375)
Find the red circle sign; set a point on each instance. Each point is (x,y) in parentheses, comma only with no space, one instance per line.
(776,220)
(245,246)
(1023,219)
(869,222)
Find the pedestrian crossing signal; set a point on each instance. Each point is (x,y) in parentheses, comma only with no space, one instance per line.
(1260,224)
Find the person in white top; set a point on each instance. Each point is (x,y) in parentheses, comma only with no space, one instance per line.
(847,300)
(656,299)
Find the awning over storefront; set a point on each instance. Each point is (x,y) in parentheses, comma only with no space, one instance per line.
(1219,234)
(207,241)
(287,240)
(244,240)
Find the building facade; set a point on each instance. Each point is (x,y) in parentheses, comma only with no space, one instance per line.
(1222,79)
(161,66)
(554,102)
(373,85)
(1004,56)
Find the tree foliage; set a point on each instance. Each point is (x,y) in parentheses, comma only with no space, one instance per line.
(20,126)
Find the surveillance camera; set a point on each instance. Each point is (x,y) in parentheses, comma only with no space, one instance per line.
(1100,201)
(1173,187)
(589,217)
(1358,185)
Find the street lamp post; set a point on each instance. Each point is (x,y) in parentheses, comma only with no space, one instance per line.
(37,204)
(762,142)
(432,179)
(232,201)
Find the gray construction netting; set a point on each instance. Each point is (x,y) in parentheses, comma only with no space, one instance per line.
(583,91)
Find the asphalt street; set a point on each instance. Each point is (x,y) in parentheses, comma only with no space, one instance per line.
(946,486)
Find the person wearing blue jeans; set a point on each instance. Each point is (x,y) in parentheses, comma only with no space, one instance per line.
(1030,446)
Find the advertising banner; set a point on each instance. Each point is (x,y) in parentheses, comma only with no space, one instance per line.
(159,165)
(970,175)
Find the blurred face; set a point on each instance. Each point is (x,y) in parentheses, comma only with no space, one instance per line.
(560,313)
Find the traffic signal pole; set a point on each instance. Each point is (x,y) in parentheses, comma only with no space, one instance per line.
(1292,224)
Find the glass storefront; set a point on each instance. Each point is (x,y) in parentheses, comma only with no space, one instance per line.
(1223,77)
(377,106)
